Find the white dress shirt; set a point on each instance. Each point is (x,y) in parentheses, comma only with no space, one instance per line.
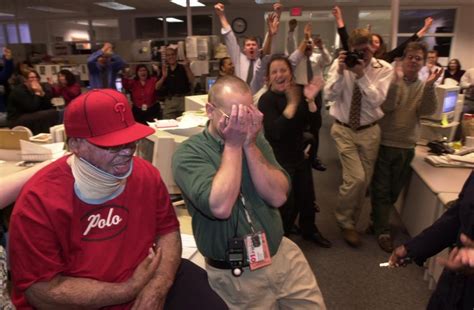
(318,62)
(424,73)
(373,86)
(242,63)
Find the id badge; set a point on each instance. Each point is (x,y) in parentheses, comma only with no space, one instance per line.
(258,254)
(144,107)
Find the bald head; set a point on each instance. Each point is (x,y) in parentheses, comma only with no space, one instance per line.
(226,87)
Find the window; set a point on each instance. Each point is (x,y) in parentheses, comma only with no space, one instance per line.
(148,28)
(24,30)
(177,26)
(12,34)
(439,36)
(202,25)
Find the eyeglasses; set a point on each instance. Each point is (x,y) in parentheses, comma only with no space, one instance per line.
(220,110)
(417,58)
(117,148)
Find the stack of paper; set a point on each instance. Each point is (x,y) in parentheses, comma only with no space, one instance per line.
(164,123)
(41,152)
(451,161)
(188,245)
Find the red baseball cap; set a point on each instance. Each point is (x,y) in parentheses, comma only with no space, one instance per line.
(103,117)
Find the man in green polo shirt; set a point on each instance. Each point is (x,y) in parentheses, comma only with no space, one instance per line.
(233,187)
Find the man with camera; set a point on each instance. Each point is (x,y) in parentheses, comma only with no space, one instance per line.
(233,187)
(357,84)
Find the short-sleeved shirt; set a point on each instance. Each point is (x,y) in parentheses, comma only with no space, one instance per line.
(52,232)
(176,82)
(195,163)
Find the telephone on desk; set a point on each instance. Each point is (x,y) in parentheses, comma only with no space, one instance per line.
(440,148)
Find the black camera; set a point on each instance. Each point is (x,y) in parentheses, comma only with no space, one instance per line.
(352,58)
(235,255)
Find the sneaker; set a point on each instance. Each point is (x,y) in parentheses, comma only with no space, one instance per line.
(385,242)
(351,236)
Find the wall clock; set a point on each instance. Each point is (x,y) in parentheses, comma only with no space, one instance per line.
(239,25)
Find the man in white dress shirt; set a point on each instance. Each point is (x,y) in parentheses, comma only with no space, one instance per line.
(248,64)
(431,66)
(357,89)
(310,64)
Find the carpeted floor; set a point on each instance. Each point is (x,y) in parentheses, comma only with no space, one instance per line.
(351,278)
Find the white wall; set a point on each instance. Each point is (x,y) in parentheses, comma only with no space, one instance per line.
(463,45)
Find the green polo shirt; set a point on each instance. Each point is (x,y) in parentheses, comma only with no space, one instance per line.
(195,164)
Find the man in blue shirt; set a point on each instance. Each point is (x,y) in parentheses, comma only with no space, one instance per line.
(103,67)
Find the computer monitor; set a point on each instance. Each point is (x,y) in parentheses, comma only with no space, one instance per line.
(210,80)
(448,107)
(58,134)
(158,149)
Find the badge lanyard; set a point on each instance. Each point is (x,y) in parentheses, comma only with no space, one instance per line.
(258,253)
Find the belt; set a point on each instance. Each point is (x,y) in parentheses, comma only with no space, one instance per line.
(220,264)
(175,95)
(358,128)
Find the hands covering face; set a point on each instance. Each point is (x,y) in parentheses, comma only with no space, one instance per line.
(242,126)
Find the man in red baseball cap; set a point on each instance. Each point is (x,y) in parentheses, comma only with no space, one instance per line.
(96,228)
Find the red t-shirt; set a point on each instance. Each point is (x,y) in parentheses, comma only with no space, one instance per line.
(141,94)
(53,232)
(67,92)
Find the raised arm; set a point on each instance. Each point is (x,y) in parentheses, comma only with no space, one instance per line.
(231,43)
(291,38)
(225,187)
(7,70)
(425,28)
(398,51)
(219,8)
(272,23)
(298,54)
(341,28)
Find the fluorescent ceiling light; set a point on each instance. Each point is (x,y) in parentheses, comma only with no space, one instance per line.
(171,20)
(6,15)
(115,6)
(192,3)
(49,9)
(84,23)
(265,1)
(363,14)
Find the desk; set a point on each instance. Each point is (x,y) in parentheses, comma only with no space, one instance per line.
(8,168)
(195,103)
(429,191)
(419,209)
(433,269)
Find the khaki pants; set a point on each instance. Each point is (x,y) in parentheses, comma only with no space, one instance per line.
(358,153)
(288,283)
(173,107)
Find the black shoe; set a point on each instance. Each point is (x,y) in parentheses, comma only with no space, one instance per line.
(294,230)
(318,165)
(317,238)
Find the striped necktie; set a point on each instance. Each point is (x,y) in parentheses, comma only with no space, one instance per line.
(309,70)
